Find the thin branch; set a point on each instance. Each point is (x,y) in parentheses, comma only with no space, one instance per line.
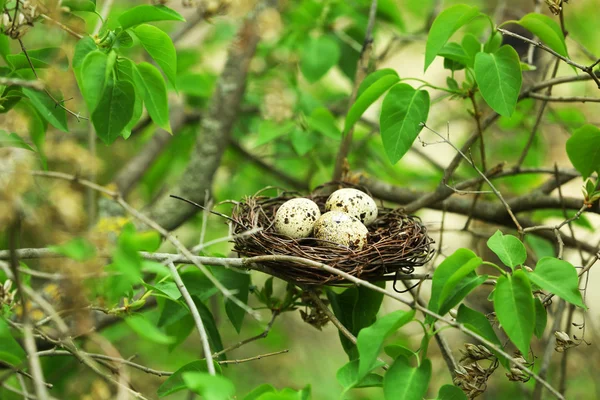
(196,315)
(31,84)
(62,26)
(106,7)
(261,335)
(587,69)
(414,305)
(28,340)
(571,99)
(254,358)
(115,196)
(331,316)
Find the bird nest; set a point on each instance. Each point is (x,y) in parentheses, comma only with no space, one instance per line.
(396,243)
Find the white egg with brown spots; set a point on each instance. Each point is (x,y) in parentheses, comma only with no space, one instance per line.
(337,227)
(353,202)
(296,217)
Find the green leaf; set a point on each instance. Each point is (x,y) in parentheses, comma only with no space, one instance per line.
(94,78)
(304,141)
(478,323)
(155,94)
(547,30)
(48,109)
(391,9)
(455,52)
(499,78)
(80,5)
(583,149)
(40,58)
(371,88)
(370,340)
(403,112)
(515,308)
(472,46)
(347,376)
(199,85)
(460,291)
(403,382)
(214,337)
(322,121)
(396,350)
(259,390)
(451,392)
(445,271)
(147,13)
(147,330)
(356,308)
(78,249)
(10,350)
(493,43)
(541,318)
(82,49)
(269,130)
(444,26)
(175,382)
(457,276)
(114,110)
(4,44)
(13,140)
(160,47)
(508,248)
(558,277)
(240,283)
(540,246)
(318,56)
(210,387)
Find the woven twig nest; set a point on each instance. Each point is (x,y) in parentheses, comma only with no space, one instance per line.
(396,243)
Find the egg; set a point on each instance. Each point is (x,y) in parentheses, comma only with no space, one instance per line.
(296,217)
(353,202)
(341,228)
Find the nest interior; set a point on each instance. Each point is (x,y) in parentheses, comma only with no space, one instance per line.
(396,243)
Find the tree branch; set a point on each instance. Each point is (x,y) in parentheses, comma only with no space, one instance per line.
(215,131)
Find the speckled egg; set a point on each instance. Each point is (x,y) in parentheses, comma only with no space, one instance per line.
(296,217)
(341,228)
(354,202)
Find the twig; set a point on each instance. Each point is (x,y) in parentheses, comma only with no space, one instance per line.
(538,119)
(31,84)
(496,192)
(216,127)
(331,316)
(28,339)
(115,196)
(196,315)
(362,68)
(416,306)
(262,335)
(56,102)
(571,99)
(106,6)
(258,357)
(549,349)
(587,69)
(62,26)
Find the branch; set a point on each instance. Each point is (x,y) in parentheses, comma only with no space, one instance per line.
(587,69)
(485,210)
(571,99)
(31,84)
(115,196)
(215,131)
(196,315)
